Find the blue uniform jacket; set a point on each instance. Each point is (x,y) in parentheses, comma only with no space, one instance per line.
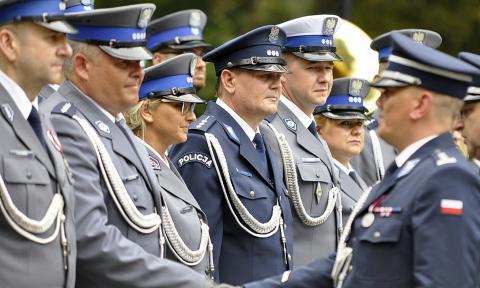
(430,243)
(238,256)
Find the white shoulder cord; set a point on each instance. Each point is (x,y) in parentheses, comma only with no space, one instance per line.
(142,223)
(175,242)
(26,226)
(344,253)
(292,185)
(260,230)
(377,155)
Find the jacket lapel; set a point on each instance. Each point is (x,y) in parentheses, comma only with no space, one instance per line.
(24,131)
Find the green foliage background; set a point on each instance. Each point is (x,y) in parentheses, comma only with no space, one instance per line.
(458,21)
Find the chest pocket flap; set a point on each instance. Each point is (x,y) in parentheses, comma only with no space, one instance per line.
(248,187)
(25,171)
(383,230)
(314,172)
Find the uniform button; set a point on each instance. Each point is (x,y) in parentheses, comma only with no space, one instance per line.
(252,194)
(289,257)
(316,174)
(354,239)
(376,234)
(135,197)
(350,268)
(279,198)
(29,174)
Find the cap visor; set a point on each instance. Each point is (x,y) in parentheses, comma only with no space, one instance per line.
(345,115)
(192,44)
(276,68)
(191,98)
(59,26)
(319,56)
(388,82)
(131,53)
(471,98)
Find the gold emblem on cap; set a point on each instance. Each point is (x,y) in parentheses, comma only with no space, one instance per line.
(329,26)
(356,87)
(144,18)
(418,37)
(273,37)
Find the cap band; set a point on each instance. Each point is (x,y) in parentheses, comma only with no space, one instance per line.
(174,36)
(309,40)
(252,61)
(115,37)
(163,86)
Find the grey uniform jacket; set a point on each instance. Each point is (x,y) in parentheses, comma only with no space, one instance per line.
(110,252)
(32,177)
(351,191)
(184,209)
(313,168)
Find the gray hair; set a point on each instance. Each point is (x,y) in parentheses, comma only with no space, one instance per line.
(88,50)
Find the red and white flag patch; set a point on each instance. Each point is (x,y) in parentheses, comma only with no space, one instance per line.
(451,207)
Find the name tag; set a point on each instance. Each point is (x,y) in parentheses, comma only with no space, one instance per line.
(310,160)
(22,153)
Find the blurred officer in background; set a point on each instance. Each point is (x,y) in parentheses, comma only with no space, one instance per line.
(178,33)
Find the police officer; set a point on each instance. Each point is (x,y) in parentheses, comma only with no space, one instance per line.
(420,226)
(118,199)
(470,114)
(313,185)
(229,166)
(340,122)
(177,33)
(161,119)
(37,241)
(377,154)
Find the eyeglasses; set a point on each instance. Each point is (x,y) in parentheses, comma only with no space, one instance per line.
(187,107)
(350,124)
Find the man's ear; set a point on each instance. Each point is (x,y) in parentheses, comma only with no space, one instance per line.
(228,79)
(81,66)
(145,113)
(9,44)
(422,104)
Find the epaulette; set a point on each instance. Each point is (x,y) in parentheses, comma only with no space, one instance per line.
(65,108)
(443,158)
(372,124)
(270,117)
(203,123)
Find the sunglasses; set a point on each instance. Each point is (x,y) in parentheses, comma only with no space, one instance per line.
(187,107)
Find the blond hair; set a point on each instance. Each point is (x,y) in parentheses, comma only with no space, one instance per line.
(134,118)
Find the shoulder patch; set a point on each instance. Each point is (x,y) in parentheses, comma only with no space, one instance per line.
(442,158)
(65,108)
(195,158)
(102,126)
(154,162)
(7,112)
(291,125)
(372,124)
(203,123)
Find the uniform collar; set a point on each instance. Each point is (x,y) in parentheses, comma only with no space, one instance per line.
(342,167)
(304,118)
(403,156)
(107,114)
(245,127)
(17,94)
(161,157)
(476,162)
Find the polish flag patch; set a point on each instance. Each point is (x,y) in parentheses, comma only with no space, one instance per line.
(451,207)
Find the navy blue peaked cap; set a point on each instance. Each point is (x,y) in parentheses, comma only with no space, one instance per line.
(178,31)
(473,91)
(79,5)
(413,64)
(259,49)
(47,13)
(119,32)
(381,43)
(345,100)
(171,79)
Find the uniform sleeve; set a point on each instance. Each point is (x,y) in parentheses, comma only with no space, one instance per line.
(194,162)
(446,227)
(105,256)
(314,275)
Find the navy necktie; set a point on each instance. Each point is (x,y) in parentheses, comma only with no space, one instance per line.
(36,123)
(354,176)
(260,148)
(313,129)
